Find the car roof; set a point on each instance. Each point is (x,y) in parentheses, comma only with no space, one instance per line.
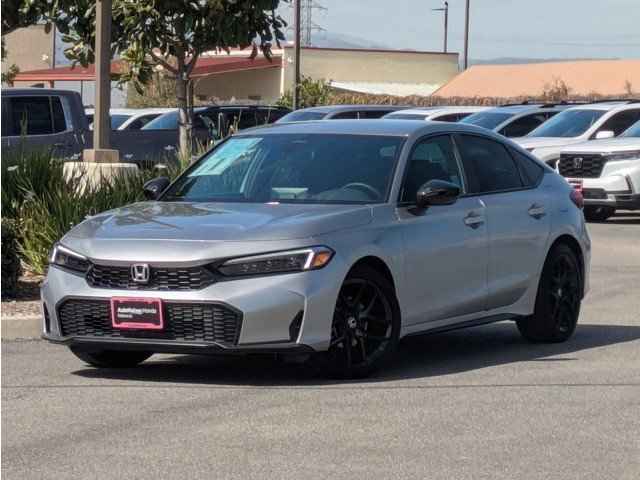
(386,127)
(348,108)
(35,91)
(608,106)
(442,109)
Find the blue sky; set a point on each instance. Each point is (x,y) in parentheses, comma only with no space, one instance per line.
(499,28)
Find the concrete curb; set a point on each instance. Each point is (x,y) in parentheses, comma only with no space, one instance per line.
(21,327)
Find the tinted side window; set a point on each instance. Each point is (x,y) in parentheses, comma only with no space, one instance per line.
(140,122)
(488,165)
(451,117)
(431,159)
(31,115)
(343,115)
(620,121)
(530,171)
(524,125)
(372,113)
(59,122)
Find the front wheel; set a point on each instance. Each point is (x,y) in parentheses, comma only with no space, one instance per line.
(598,214)
(558,300)
(365,327)
(111,358)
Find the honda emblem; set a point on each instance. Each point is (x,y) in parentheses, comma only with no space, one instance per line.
(577,162)
(140,272)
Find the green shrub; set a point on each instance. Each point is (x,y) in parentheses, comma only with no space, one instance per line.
(45,205)
(11,268)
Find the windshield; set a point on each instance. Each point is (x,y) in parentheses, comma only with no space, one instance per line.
(117,120)
(292,168)
(632,131)
(489,120)
(406,116)
(302,116)
(168,121)
(567,124)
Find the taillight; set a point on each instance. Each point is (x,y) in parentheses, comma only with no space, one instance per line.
(577,198)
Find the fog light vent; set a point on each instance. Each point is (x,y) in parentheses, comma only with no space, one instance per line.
(47,319)
(294,328)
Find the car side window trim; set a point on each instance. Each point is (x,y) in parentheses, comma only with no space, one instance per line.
(467,194)
(463,189)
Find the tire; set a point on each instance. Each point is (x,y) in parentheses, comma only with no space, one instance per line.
(111,358)
(365,327)
(598,214)
(558,299)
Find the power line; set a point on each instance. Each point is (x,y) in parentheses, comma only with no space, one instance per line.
(307,25)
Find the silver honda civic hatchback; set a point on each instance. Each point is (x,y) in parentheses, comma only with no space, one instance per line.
(327,240)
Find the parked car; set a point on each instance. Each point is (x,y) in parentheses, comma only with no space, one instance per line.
(329,240)
(37,118)
(440,114)
(579,124)
(516,120)
(607,172)
(340,112)
(55,120)
(218,119)
(129,118)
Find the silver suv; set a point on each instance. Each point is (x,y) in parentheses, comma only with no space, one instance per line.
(329,240)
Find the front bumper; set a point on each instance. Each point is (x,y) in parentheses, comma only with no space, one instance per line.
(289,313)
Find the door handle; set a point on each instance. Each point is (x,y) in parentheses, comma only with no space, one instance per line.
(474,220)
(537,211)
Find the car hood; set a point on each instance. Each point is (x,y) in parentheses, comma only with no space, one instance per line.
(219,222)
(605,146)
(531,143)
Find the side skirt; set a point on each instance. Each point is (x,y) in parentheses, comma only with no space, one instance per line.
(466,324)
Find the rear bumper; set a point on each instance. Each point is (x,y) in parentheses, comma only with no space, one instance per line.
(620,201)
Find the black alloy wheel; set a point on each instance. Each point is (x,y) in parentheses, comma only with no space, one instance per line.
(558,301)
(366,325)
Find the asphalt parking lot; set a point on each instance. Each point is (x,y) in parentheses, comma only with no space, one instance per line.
(472,404)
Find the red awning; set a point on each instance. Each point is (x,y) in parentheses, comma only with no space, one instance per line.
(205,66)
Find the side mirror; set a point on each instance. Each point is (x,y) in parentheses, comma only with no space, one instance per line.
(602,134)
(153,188)
(437,192)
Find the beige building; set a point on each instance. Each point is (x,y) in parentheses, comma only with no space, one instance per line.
(235,76)
(29,49)
(391,72)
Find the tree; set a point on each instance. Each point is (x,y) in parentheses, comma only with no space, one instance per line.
(312,93)
(165,34)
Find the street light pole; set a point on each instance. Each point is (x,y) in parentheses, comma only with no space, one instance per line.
(445,9)
(466,35)
(296,54)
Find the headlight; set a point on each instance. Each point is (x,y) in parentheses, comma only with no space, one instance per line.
(633,155)
(311,258)
(65,258)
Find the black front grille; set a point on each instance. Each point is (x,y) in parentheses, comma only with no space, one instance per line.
(160,278)
(581,166)
(186,322)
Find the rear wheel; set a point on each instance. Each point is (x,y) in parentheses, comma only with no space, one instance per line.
(366,325)
(598,214)
(558,300)
(111,358)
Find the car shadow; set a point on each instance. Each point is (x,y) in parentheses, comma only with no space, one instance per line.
(418,357)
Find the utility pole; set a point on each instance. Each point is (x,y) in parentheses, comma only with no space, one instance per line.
(466,36)
(444,9)
(101,122)
(296,54)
